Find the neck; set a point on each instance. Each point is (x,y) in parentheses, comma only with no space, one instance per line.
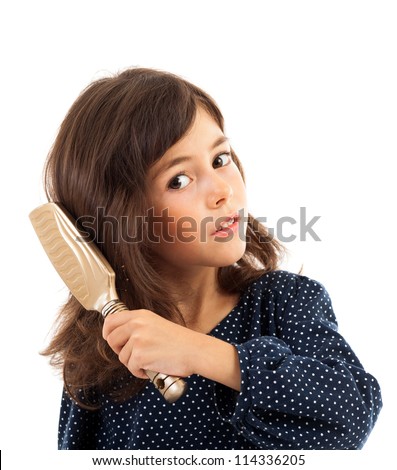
(194,286)
(199,297)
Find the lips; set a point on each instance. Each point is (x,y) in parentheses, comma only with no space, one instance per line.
(225,223)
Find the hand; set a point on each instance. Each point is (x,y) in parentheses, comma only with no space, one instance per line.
(145,341)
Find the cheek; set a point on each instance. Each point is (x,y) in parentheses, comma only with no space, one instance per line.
(186,230)
(238,185)
(170,223)
(177,245)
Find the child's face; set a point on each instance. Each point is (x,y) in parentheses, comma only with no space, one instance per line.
(192,189)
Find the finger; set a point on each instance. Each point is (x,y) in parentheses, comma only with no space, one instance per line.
(125,354)
(114,321)
(127,358)
(119,337)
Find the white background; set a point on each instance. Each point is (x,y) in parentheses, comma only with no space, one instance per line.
(308,90)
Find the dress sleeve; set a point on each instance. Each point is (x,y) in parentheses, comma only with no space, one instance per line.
(77,428)
(303,387)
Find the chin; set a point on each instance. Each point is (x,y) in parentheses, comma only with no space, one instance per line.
(230,256)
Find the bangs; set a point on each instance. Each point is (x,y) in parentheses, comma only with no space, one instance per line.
(164,112)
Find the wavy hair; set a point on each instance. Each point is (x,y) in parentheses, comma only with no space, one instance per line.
(114,132)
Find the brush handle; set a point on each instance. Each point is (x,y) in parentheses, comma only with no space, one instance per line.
(170,387)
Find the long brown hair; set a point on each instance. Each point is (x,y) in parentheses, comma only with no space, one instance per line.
(117,128)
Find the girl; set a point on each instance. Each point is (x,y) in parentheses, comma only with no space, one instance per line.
(144,153)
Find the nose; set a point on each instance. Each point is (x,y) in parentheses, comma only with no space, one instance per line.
(220,192)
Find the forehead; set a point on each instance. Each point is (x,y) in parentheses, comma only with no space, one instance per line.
(203,135)
(203,132)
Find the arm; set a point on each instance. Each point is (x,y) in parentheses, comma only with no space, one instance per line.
(144,340)
(218,360)
(302,387)
(300,384)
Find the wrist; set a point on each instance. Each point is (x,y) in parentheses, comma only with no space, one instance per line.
(217,360)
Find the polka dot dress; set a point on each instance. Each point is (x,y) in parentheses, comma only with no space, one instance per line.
(302,387)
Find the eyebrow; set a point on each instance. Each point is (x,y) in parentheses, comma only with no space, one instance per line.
(176,161)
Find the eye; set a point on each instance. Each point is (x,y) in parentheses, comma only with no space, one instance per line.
(179,181)
(221,160)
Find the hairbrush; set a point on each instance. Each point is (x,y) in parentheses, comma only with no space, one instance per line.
(88,275)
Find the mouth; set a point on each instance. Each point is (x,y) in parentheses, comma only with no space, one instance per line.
(226,225)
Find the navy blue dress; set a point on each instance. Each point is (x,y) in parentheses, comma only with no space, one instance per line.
(302,386)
